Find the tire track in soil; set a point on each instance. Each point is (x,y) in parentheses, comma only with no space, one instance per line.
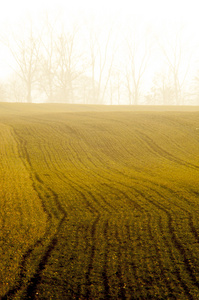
(157,149)
(104,272)
(190,223)
(133,262)
(158,259)
(91,260)
(27,254)
(177,242)
(36,278)
(131,202)
(172,258)
(192,227)
(190,216)
(122,293)
(61,176)
(177,245)
(97,175)
(22,148)
(73,183)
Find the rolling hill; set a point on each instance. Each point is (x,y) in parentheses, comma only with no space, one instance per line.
(99,202)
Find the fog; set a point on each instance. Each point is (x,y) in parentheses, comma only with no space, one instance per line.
(107,52)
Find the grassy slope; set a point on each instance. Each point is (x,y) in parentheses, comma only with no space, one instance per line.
(98,205)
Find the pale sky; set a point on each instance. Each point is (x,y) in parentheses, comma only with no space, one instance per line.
(155,12)
(11,10)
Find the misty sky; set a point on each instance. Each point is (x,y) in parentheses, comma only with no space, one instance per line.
(12,10)
(156,14)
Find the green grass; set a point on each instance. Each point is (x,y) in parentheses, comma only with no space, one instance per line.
(98,204)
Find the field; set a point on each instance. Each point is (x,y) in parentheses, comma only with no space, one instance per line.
(98,202)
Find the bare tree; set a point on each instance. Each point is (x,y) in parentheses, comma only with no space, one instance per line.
(177,59)
(3,92)
(68,63)
(138,56)
(16,87)
(47,65)
(25,52)
(102,48)
(194,89)
(162,90)
(116,86)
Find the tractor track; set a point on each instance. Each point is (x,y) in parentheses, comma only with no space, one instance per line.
(130,215)
(35,279)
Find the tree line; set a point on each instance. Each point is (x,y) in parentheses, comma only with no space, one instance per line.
(106,64)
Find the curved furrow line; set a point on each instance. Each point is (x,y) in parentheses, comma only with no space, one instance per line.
(175,266)
(66,177)
(36,278)
(158,258)
(115,150)
(144,128)
(86,190)
(61,175)
(22,148)
(122,184)
(189,261)
(175,240)
(91,260)
(76,244)
(119,151)
(132,283)
(134,238)
(122,292)
(78,187)
(89,205)
(97,175)
(172,192)
(126,197)
(157,149)
(178,245)
(193,229)
(97,159)
(22,274)
(92,172)
(38,243)
(35,178)
(104,272)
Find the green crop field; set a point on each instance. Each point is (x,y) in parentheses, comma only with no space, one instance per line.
(98,203)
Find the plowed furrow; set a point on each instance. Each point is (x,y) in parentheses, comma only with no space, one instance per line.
(36,279)
(174,264)
(178,244)
(37,182)
(91,260)
(193,229)
(160,263)
(80,186)
(160,151)
(119,274)
(104,272)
